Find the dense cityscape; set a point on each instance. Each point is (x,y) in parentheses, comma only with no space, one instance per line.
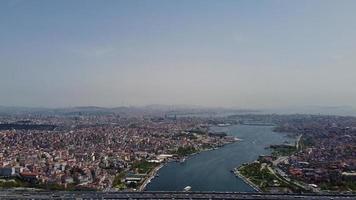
(100,152)
(111,152)
(321,160)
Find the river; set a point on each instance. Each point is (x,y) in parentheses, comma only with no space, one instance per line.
(210,170)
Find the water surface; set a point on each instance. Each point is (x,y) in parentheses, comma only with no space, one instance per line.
(210,170)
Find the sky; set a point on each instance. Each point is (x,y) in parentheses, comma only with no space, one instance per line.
(244,54)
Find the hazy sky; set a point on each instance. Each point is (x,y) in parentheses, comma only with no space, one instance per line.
(247,54)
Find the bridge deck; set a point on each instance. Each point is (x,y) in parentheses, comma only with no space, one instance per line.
(164,195)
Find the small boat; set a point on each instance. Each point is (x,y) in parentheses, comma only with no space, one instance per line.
(188,188)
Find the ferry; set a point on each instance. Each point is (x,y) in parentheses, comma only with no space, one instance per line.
(188,188)
(224,125)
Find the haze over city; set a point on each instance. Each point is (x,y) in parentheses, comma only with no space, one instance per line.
(179,99)
(244,54)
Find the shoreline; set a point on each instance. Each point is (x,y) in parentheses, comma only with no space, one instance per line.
(153,173)
(246,180)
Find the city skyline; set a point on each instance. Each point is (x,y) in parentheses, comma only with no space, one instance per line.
(242,54)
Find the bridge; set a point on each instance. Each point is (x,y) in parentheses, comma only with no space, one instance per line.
(78,195)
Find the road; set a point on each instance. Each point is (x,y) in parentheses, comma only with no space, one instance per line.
(7,195)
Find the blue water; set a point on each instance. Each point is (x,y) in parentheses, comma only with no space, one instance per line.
(210,170)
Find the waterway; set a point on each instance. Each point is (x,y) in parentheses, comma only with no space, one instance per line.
(210,170)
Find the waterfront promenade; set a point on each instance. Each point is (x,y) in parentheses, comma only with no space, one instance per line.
(151,176)
(246,180)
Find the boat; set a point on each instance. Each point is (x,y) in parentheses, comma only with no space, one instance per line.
(224,125)
(188,188)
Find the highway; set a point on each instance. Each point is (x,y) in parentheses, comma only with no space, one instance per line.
(7,195)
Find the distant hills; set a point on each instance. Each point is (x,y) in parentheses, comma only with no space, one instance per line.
(123,110)
(157,109)
(322,110)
